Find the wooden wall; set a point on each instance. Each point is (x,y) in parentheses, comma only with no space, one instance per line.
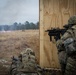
(53,13)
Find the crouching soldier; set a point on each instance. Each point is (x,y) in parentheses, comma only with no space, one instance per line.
(67,49)
(26,64)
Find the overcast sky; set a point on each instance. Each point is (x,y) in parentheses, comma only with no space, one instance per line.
(18,11)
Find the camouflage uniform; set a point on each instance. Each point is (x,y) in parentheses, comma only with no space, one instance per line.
(67,49)
(26,64)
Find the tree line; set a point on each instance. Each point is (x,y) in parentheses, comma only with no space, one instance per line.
(19,26)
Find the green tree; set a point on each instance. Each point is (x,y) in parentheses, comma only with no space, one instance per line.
(37,25)
(32,25)
(27,25)
(15,26)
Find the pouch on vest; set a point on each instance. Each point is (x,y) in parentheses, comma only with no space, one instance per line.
(70,45)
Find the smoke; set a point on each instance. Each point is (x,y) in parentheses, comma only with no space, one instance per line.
(18,11)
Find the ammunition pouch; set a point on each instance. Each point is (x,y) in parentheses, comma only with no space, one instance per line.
(70,46)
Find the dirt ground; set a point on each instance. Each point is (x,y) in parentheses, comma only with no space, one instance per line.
(13,42)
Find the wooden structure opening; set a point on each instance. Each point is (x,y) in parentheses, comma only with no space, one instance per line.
(53,13)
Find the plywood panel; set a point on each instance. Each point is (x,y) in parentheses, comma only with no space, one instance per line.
(53,13)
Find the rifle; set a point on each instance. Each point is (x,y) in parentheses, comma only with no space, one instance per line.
(14,58)
(56,32)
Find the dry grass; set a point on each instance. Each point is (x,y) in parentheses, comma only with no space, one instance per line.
(12,43)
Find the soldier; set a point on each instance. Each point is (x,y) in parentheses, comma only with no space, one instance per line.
(26,64)
(67,49)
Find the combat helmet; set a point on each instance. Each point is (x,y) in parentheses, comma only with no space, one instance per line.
(28,51)
(72,20)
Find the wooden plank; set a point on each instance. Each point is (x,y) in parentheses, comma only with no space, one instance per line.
(41,33)
(53,13)
(42,53)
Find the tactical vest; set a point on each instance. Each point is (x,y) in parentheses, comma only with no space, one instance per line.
(70,40)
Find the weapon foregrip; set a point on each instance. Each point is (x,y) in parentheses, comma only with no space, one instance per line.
(50,38)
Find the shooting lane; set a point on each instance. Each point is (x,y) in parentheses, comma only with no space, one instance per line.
(53,13)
